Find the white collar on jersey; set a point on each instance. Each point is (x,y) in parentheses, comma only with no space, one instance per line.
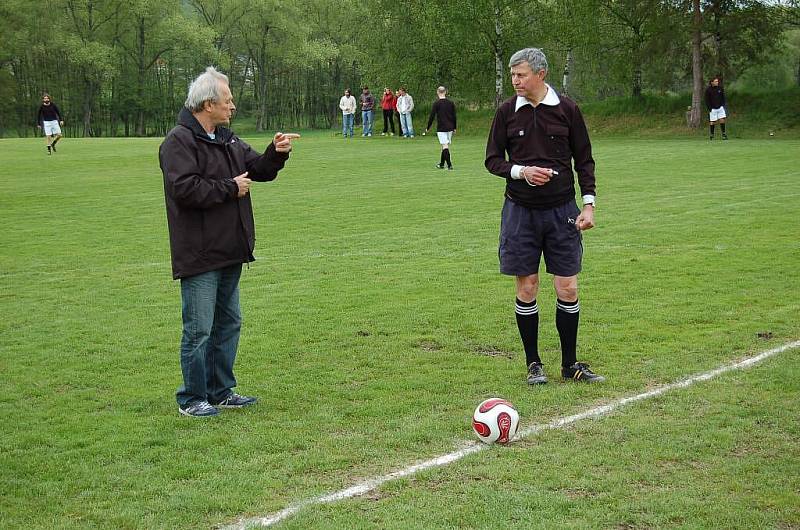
(551,98)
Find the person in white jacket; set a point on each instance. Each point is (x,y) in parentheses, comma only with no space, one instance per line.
(348,105)
(405,105)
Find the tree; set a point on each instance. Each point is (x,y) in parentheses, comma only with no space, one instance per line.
(697,65)
(147,30)
(86,50)
(638,23)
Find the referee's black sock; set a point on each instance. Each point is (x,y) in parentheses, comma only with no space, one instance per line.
(447,157)
(712,129)
(442,158)
(527,314)
(722,128)
(567,315)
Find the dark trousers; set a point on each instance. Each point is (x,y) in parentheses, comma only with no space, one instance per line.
(388,120)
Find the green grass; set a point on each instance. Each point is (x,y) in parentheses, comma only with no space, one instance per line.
(375,320)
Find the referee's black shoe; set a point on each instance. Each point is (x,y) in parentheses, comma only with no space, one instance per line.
(580,372)
(536,374)
(439,166)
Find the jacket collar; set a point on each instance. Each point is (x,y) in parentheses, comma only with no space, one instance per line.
(187,119)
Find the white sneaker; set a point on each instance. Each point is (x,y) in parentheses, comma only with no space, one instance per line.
(199,409)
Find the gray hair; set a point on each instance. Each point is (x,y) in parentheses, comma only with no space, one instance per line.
(441,90)
(533,56)
(205,88)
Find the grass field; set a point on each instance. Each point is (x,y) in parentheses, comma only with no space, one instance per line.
(375,321)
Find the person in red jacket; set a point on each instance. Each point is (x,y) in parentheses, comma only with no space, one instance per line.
(208,172)
(388,104)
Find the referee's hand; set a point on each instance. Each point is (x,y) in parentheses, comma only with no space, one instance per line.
(585,220)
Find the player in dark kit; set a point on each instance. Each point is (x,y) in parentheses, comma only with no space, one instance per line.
(50,120)
(444,111)
(543,133)
(715,103)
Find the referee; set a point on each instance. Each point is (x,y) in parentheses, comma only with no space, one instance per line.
(544,135)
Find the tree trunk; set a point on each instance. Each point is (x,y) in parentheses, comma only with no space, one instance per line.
(697,66)
(498,60)
(88,103)
(565,82)
(140,82)
(261,95)
(636,90)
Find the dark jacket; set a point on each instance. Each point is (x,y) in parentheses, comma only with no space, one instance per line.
(715,97)
(367,102)
(551,136)
(209,226)
(48,113)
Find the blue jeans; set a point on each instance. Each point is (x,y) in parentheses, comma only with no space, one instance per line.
(405,122)
(211,324)
(347,124)
(366,119)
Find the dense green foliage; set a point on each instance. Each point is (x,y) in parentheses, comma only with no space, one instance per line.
(376,319)
(122,67)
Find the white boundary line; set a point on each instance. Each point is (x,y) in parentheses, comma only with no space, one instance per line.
(596,412)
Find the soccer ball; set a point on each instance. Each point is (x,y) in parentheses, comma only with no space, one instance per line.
(495,420)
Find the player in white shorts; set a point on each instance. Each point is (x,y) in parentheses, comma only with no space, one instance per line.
(715,103)
(444,112)
(50,120)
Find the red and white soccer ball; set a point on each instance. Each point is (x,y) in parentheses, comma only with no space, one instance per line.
(495,421)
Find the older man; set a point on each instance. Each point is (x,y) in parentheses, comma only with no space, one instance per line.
(208,172)
(543,134)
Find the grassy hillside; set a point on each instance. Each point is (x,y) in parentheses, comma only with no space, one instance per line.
(750,115)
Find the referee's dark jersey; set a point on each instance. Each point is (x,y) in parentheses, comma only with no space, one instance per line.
(548,135)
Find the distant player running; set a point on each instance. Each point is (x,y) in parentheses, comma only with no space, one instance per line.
(50,120)
(543,134)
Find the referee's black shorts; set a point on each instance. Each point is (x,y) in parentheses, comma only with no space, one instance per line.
(526,234)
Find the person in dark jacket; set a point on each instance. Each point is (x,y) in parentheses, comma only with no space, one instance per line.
(50,120)
(367,104)
(444,111)
(715,103)
(543,134)
(208,172)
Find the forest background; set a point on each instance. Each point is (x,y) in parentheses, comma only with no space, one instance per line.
(121,68)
